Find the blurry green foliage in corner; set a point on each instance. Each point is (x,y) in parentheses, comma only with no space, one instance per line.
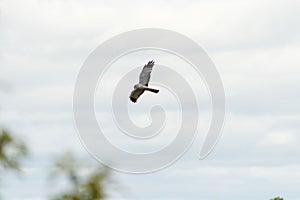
(90,186)
(12,151)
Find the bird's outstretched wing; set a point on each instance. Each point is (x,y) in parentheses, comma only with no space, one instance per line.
(145,74)
(135,94)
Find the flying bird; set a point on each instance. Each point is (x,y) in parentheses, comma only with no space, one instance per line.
(143,82)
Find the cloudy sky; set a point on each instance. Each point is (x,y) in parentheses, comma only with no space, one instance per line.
(254,45)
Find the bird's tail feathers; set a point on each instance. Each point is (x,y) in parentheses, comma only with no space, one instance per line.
(152,90)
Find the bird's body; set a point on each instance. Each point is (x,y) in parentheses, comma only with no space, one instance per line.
(142,86)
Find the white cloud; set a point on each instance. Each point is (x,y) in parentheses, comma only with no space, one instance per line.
(280,138)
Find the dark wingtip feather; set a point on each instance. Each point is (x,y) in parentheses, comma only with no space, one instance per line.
(151,62)
(133,99)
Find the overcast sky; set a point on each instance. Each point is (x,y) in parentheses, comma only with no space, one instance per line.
(254,44)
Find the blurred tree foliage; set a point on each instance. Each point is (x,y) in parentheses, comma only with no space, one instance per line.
(12,151)
(88,187)
(277,198)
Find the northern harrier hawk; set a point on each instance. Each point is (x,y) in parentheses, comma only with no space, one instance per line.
(143,83)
